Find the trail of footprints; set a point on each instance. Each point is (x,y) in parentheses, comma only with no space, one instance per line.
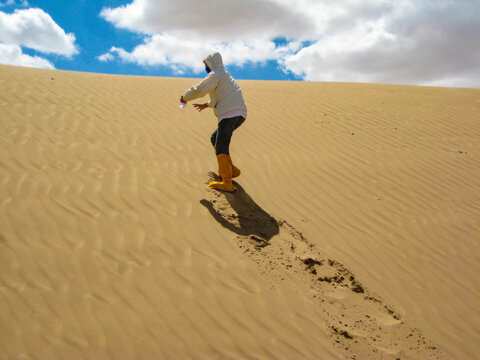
(367,327)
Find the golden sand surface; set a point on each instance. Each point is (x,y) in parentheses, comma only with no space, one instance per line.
(354,232)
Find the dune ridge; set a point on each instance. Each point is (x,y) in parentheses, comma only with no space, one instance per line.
(112,246)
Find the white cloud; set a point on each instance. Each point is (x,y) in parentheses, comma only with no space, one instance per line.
(183,54)
(414,42)
(12,2)
(35,29)
(13,55)
(7,3)
(106,57)
(219,20)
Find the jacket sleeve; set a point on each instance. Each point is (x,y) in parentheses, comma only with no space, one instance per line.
(205,87)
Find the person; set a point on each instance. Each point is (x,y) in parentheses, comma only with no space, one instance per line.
(228,105)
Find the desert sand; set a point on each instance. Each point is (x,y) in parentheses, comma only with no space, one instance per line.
(354,232)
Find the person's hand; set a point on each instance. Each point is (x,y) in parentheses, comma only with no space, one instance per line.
(200,107)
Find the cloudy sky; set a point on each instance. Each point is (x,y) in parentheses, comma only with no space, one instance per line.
(422,42)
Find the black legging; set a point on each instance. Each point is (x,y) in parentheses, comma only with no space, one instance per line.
(223,134)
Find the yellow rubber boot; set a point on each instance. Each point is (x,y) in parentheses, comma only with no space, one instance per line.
(235,171)
(225,172)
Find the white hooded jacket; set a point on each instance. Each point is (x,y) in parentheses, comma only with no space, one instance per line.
(225,94)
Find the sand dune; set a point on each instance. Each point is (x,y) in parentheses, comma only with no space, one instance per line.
(354,232)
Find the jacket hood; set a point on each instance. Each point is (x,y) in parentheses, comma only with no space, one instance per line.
(214,61)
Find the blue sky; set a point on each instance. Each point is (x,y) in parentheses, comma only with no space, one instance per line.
(428,42)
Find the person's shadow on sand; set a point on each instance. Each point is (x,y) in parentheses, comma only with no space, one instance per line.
(238,213)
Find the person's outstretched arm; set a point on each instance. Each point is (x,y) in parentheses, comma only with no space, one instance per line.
(206,86)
